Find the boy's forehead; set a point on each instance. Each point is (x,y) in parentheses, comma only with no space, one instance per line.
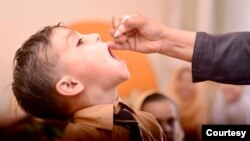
(61,31)
(61,35)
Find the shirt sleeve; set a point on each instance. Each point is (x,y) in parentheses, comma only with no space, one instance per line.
(223,58)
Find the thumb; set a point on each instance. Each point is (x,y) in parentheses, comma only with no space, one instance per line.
(129,23)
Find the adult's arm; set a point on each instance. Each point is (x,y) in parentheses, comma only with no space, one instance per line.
(223,58)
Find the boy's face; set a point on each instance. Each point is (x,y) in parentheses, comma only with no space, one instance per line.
(87,58)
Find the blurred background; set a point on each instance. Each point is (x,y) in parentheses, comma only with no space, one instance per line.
(19,19)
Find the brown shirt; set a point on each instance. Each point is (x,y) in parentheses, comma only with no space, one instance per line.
(96,124)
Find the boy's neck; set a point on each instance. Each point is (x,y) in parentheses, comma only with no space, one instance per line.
(100,96)
(94,96)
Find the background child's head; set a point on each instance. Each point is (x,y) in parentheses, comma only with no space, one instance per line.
(58,71)
(164,110)
(232,93)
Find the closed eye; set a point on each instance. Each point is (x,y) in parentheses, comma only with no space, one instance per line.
(80,42)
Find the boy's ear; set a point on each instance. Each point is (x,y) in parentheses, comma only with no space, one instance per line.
(69,86)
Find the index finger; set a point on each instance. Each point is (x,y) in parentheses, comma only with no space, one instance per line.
(116,21)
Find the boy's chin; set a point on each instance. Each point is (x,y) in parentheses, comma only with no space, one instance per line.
(126,76)
(123,78)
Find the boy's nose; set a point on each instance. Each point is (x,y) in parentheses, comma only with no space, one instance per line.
(93,37)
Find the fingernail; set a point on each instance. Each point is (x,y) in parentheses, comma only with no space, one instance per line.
(126,17)
(121,28)
(117,33)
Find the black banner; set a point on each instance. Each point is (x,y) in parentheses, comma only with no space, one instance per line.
(225,132)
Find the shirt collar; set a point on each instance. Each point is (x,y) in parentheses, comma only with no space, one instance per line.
(100,116)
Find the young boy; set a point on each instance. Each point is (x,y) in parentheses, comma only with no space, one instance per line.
(60,74)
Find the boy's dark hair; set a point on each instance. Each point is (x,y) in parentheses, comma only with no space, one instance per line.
(154,97)
(35,75)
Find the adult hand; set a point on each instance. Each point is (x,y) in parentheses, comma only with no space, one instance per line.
(137,33)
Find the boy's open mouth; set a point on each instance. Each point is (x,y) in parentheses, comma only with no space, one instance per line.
(111,54)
